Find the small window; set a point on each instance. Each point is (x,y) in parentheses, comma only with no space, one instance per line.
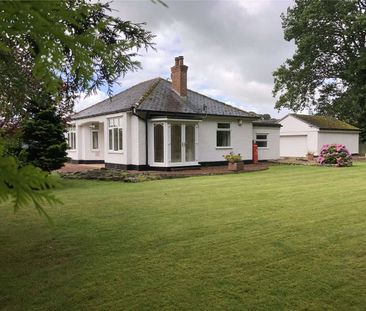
(71,137)
(95,140)
(261,140)
(115,134)
(223,135)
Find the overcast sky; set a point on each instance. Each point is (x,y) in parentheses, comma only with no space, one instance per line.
(231,48)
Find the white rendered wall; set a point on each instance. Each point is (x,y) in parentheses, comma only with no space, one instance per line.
(116,157)
(85,138)
(137,148)
(133,140)
(349,139)
(241,140)
(297,138)
(292,125)
(272,151)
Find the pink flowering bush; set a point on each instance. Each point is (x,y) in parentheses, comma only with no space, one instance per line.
(335,155)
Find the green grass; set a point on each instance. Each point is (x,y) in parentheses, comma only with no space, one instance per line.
(289,238)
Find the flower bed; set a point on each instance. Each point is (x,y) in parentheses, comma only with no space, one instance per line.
(110,174)
(335,155)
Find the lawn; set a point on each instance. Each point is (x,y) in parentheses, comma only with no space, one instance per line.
(289,238)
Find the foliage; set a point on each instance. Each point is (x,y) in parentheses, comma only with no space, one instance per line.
(288,238)
(335,154)
(25,184)
(232,157)
(327,73)
(44,135)
(63,48)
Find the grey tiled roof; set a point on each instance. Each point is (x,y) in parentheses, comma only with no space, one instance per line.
(120,102)
(156,95)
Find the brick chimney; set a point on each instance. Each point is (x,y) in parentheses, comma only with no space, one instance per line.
(179,77)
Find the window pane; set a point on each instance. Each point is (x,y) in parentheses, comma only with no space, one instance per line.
(115,139)
(120,139)
(190,143)
(176,143)
(110,139)
(159,143)
(223,125)
(223,139)
(95,139)
(261,136)
(261,144)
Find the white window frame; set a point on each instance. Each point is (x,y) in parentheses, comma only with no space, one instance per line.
(218,129)
(114,124)
(71,137)
(92,141)
(261,140)
(165,144)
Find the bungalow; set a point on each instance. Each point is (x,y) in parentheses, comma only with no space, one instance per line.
(301,134)
(159,124)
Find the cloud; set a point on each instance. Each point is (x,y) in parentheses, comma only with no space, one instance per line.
(231,47)
(86,101)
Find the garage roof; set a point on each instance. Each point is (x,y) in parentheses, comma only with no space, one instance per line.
(326,122)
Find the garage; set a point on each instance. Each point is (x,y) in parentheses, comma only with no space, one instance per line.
(301,134)
(293,146)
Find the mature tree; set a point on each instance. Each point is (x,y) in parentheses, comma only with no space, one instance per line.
(64,48)
(327,73)
(60,48)
(43,134)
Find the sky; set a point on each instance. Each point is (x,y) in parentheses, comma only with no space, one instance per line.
(231,48)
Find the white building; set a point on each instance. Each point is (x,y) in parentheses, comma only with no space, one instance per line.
(161,124)
(301,134)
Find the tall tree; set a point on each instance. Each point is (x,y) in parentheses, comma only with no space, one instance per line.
(43,133)
(327,73)
(60,48)
(64,48)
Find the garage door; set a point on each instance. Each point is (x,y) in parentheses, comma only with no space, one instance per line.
(293,146)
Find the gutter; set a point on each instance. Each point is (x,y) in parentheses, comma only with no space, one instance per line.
(201,115)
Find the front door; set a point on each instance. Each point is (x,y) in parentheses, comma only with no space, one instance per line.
(183,144)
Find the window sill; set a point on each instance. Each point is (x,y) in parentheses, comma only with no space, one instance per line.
(223,148)
(95,150)
(115,152)
(263,148)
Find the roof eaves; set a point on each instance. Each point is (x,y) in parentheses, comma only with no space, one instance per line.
(197,114)
(264,124)
(101,114)
(339,129)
